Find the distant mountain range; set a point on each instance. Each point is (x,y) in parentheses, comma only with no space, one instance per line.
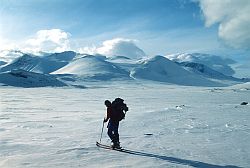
(44,64)
(22,78)
(67,68)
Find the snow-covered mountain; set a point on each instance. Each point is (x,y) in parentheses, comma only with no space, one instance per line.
(25,62)
(214,62)
(2,63)
(93,67)
(72,67)
(119,58)
(66,56)
(22,78)
(46,64)
(162,69)
(205,71)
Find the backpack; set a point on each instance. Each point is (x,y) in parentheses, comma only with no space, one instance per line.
(118,107)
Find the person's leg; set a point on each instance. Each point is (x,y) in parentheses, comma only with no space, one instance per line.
(110,131)
(116,134)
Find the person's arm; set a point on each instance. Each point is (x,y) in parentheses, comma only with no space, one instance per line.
(108,115)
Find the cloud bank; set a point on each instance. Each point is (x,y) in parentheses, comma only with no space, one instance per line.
(53,40)
(57,40)
(117,47)
(9,55)
(233,17)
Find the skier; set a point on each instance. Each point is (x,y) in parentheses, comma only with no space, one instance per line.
(114,115)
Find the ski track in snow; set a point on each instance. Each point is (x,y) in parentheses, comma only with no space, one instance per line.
(166,126)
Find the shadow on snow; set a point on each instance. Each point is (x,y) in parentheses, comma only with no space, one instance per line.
(177,160)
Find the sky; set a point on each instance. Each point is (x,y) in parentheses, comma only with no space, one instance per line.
(147,27)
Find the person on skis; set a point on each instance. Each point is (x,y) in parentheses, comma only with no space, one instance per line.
(114,115)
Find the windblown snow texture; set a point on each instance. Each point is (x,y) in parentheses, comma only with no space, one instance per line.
(166,126)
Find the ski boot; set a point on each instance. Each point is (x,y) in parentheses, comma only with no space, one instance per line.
(116,145)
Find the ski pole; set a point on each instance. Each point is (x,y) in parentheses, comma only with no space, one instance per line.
(102,131)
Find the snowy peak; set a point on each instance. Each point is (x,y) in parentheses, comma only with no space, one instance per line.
(205,71)
(214,62)
(162,69)
(90,66)
(66,56)
(200,57)
(119,58)
(25,62)
(163,65)
(46,64)
(158,68)
(73,67)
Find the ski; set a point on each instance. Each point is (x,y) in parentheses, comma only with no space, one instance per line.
(117,149)
(107,147)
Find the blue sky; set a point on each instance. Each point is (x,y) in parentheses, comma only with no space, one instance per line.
(91,18)
(156,26)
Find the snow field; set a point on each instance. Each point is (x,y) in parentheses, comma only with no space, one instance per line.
(167,125)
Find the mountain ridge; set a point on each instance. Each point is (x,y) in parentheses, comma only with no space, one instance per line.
(75,67)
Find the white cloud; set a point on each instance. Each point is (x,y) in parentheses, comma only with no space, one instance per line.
(233,17)
(9,55)
(6,45)
(88,50)
(53,40)
(117,47)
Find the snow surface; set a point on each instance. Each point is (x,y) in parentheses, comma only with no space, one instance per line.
(171,121)
(166,126)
